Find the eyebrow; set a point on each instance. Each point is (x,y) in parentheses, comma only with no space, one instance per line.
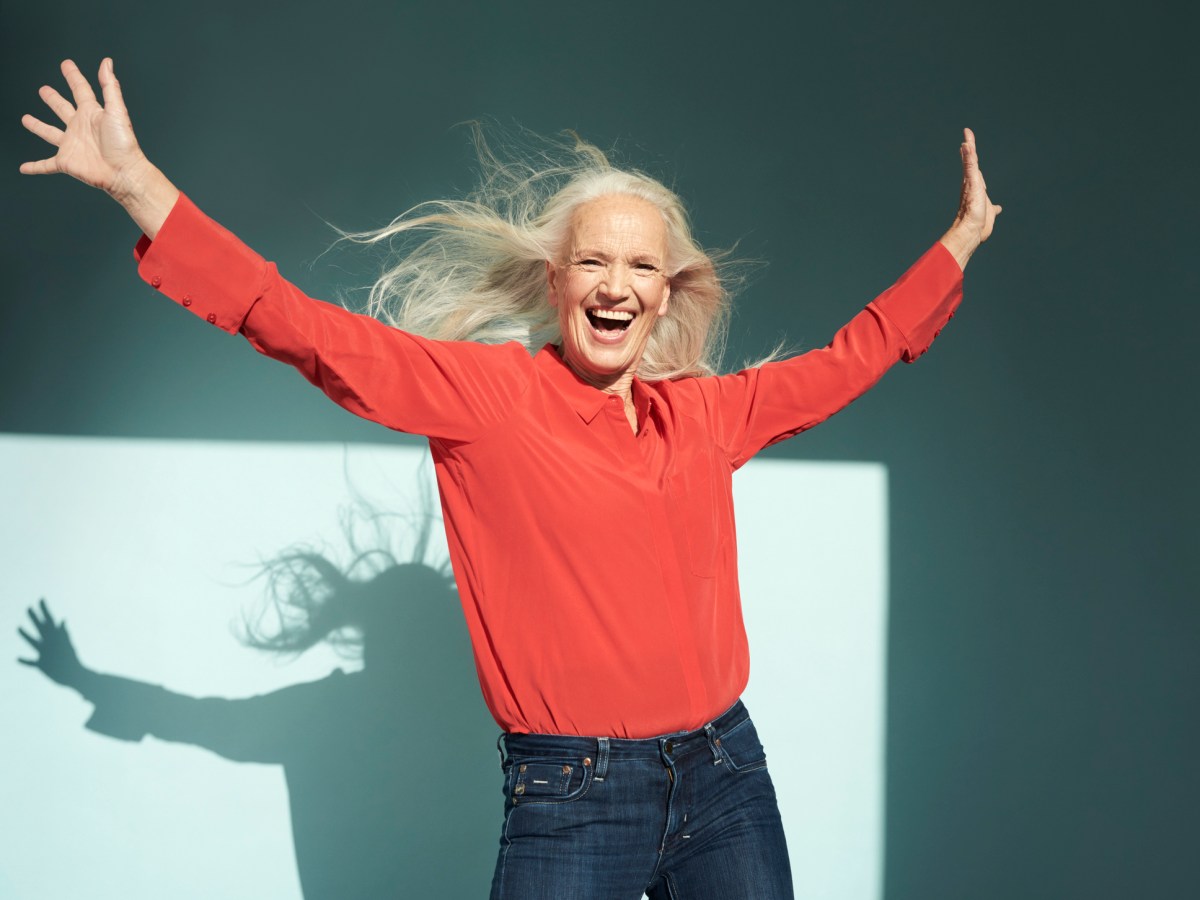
(638,256)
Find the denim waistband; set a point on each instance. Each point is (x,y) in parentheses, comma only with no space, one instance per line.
(667,746)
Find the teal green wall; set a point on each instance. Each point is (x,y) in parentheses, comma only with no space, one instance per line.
(1044,677)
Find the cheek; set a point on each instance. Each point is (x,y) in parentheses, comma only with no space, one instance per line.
(573,293)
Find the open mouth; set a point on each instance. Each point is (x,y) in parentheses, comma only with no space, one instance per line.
(609,320)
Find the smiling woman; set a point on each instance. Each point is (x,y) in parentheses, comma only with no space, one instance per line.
(610,290)
(556,337)
(478,268)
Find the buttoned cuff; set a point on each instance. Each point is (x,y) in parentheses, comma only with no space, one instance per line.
(202,266)
(923,300)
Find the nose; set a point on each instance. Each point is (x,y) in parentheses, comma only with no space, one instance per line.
(615,283)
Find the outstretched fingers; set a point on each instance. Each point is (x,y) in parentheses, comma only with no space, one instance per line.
(58,103)
(36,644)
(30,639)
(40,167)
(970,158)
(111,88)
(45,622)
(47,617)
(51,134)
(994,209)
(80,89)
(48,133)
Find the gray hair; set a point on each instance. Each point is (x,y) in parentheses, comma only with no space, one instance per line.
(475,269)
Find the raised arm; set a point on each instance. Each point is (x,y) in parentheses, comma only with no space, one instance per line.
(758,407)
(246,729)
(399,380)
(96,145)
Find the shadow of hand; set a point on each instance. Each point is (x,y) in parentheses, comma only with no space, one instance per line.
(56,655)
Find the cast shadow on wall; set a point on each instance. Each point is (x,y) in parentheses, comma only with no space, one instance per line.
(392,786)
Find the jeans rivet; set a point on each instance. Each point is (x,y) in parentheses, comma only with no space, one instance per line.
(566,770)
(587,760)
(523,767)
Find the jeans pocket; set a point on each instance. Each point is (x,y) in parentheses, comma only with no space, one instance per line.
(548,779)
(741,747)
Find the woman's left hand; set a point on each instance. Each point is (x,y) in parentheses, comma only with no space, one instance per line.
(976,212)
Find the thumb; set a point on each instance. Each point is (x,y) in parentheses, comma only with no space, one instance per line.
(111,88)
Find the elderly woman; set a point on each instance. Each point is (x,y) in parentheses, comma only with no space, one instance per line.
(556,336)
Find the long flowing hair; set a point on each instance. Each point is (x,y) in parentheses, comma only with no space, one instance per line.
(474,269)
(319,594)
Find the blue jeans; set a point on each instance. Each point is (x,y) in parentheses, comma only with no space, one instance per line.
(683,816)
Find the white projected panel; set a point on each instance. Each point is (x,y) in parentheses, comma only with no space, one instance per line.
(148,549)
(812,548)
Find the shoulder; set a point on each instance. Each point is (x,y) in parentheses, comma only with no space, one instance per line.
(698,389)
(510,359)
(690,395)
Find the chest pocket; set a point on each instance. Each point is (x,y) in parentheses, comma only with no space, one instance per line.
(701,491)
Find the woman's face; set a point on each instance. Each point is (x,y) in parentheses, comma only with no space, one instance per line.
(611,287)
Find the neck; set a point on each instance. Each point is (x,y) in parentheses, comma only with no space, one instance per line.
(619,383)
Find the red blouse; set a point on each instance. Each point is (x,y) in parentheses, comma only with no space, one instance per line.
(597,567)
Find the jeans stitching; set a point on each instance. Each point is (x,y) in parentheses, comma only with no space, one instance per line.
(506,842)
(746,768)
(584,787)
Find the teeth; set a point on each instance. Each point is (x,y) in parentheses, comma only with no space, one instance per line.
(619,315)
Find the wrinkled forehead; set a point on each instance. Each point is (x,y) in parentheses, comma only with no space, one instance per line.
(619,223)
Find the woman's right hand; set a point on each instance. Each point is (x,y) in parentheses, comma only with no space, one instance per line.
(97,146)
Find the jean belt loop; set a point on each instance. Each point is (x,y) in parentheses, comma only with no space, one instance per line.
(714,743)
(500,749)
(601,758)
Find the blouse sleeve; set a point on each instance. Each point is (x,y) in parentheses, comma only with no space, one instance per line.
(446,390)
(267,728)
(761,406)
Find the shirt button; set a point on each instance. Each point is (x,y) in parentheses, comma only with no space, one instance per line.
(187,301)
(212,317)
(155,281)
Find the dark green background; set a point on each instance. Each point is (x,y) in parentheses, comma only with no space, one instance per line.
(1043,667)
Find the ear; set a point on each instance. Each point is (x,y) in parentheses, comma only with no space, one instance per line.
(662,307)
(552,283)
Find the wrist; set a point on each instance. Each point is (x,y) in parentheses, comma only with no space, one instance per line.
(82,680)
(131,180)
(145,193)
(962,242)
